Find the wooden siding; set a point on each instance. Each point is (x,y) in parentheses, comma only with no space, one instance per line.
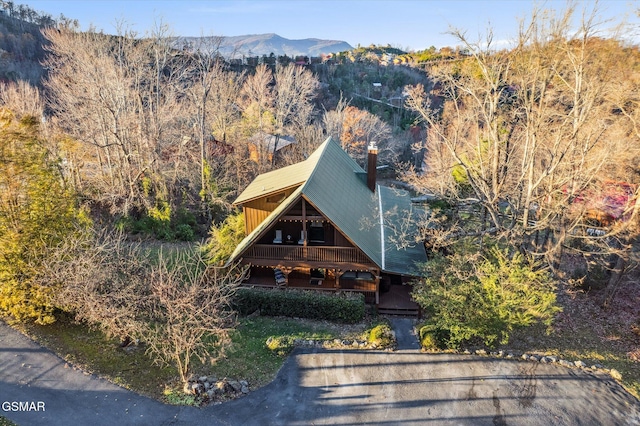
(257,210)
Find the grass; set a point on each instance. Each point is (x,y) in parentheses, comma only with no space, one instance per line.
(93,352)
(248,357)
(581,342)
(6,422)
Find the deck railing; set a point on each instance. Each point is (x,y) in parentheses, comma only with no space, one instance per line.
(312,254)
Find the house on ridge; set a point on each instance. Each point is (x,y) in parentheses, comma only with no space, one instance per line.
(318,225)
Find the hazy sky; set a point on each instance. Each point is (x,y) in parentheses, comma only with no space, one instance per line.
(415,24)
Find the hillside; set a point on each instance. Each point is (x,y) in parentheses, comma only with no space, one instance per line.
(21,50)
(265,44)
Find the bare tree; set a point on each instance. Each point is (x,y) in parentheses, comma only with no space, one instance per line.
(258,99)
(21,98)
(177,304)
(293,92)
(523,133)
(190,314)
(117,95)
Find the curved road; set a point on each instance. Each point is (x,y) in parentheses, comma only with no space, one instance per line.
(329,387)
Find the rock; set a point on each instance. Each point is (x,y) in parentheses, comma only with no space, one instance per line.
(244,389)
(500,354)
(509,356)
(207,386)
(481,352)
(203,379)
(565,363)
(615,374)
(355,344)
(466,352)
(211,393)
(337,341)
(244,383)
(212,379)
(552,358)
(598,366)
(525,357)
(545,360)
(346,343)
(579,364)
(237,387)
(534,358)
(197,388)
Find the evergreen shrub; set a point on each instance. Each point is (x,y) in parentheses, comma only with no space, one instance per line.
(346,308)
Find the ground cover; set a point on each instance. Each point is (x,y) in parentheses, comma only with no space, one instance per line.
(585,331)
(248,358)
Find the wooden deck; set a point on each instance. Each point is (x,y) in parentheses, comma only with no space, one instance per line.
(299,282)
(312,254)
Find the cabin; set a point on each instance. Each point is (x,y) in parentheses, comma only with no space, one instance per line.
(264,146)
(325,224)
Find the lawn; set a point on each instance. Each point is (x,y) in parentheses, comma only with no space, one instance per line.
(248,357)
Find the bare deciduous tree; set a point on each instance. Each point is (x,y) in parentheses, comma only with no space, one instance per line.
(190,312)
(177,305)
(525,132)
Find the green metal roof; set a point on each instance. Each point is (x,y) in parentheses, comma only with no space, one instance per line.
(331,181)
(403,250)
(335,189)
(278,180)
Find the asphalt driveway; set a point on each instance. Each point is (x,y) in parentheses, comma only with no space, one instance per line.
(330,387)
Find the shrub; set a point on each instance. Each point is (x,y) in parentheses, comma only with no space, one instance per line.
(225,237)
(483,296)
(347,308)
(433,338)
(382,336)
(184,232)
(281,345)
(160,222)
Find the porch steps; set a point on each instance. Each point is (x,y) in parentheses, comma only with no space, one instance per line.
(404,312)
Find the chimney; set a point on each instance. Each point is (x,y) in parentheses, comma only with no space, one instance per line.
(372,159)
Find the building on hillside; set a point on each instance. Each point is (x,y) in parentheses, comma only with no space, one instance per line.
(267,147)
(325,224)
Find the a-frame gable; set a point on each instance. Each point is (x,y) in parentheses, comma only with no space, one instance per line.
(265,225)
(336,190)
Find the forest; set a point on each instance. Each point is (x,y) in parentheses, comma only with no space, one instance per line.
(528,159)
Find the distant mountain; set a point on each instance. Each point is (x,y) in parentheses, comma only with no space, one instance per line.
(265,44)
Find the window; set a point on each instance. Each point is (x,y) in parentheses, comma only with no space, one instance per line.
(276,199)
(316,232)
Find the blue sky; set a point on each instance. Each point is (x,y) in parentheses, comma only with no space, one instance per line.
(414,24)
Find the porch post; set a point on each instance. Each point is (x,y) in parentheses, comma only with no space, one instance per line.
(304,222)
(378,273)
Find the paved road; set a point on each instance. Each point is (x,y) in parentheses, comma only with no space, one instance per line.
(331,387)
